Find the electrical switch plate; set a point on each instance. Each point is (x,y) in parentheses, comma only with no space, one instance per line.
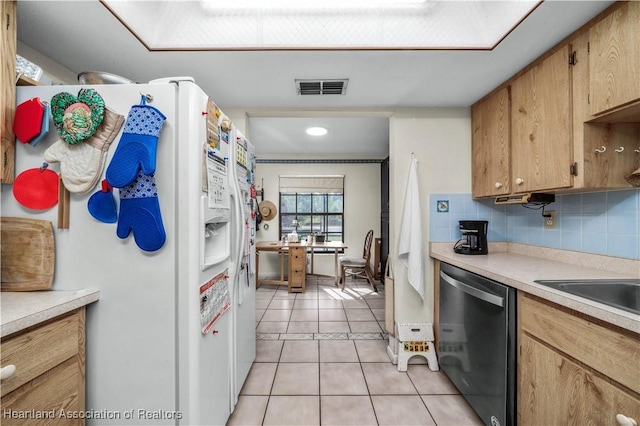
(549,219)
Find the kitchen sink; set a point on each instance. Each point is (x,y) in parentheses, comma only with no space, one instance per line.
(622,294)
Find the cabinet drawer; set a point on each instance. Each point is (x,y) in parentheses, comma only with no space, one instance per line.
(39,350)
(50,396)
(612,352)
(296,277)
(297,261)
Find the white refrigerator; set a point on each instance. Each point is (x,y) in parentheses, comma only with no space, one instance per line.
(148,360)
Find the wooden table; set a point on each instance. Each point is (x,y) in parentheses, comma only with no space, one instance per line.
(283,248)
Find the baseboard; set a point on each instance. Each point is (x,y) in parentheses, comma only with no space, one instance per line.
(392,356)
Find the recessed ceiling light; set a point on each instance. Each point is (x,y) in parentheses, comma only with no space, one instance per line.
(316,131)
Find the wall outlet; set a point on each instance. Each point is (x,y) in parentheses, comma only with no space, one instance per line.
(549,219)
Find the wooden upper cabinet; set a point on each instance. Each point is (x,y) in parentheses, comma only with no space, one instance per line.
(614,59)
(541,132)
(490,145)
(7,85)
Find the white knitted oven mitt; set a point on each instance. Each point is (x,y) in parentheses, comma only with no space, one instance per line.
(81,165)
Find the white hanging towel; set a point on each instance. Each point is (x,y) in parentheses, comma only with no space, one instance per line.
(410,246)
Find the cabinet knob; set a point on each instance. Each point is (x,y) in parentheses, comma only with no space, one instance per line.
(625,421)
(519,181)
(498,185)
(7,371)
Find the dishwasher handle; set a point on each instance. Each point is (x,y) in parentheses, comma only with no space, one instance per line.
(472,291)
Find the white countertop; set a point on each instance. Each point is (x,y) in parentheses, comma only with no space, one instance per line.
(519,270)
(20,310)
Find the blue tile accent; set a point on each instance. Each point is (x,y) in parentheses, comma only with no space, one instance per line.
(442,206)
(485,208)
(605,223)
(594,222)
(570,222)
(594,242)
(456,202)
(470,207)
(571,240)
(441,235)
(622,245)
(621,202)
(534,236)
(594,202)
(519,237)
(519,221)
(552,238)
(497,220)
(570,203)
(440,220)
(622,223)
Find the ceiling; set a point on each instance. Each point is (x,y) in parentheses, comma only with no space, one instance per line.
(85,36)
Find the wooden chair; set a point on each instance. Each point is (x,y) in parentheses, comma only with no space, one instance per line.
(359,266)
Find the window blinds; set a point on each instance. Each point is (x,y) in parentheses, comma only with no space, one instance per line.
(314,184)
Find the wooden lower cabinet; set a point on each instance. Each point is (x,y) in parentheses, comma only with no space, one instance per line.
(297,269)
(557,391)
(48,386)
(572,371)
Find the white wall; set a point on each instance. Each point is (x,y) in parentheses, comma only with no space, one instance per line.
(53,72)
(361,209)
(440,138)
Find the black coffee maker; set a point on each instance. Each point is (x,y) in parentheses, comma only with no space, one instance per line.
(474,237)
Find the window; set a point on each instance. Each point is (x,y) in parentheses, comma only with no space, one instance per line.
(316,202)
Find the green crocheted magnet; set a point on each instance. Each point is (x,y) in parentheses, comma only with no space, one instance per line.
(77,117)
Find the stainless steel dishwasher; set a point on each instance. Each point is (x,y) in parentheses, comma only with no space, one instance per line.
(477,342)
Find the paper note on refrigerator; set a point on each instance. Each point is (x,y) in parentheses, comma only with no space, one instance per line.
(215,300)
(218,182)
(213,125)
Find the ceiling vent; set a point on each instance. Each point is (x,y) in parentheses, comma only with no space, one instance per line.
(322,87)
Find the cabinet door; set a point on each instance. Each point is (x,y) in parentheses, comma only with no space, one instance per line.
(8,88)
(614,59)
(490,145)
(553,390)
(541,141)
(55,396)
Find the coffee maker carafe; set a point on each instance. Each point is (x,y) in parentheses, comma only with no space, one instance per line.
(474,237)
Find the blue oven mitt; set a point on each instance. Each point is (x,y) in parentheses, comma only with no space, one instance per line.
(140,213)
(138,145)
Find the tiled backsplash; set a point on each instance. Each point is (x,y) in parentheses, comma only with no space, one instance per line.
(605,223)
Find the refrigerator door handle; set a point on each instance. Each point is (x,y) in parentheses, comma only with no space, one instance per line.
(238,219)
(241,237)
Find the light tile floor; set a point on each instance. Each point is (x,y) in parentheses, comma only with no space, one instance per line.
(321,359)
